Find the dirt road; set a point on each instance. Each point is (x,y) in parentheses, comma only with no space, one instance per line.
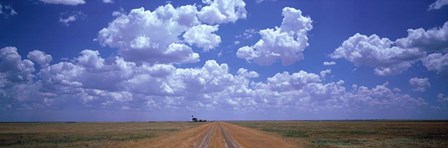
(220,135)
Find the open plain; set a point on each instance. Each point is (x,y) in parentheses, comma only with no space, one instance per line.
(228,134)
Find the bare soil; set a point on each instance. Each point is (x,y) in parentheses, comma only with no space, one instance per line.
(220,134)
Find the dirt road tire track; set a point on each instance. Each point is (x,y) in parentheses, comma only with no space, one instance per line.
(207,138)
(220,135)
(230,142)
(248,137)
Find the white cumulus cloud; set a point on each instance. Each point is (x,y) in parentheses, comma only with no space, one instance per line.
(90,81)
(392,57)
(152,36)
(247,74)
(159,36)
(65,2)
(378,53)
(202,36)
(13,67)
(419,84)
(90,59)
(329,63)
(222,11)
(39,57)
(285,43)
(436,62)
(432,40)
(384,97)
(325,73)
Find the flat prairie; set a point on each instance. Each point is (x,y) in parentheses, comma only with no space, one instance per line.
(94,134)
(227,134)
(357,133)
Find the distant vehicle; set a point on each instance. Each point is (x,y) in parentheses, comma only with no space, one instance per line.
(193,119)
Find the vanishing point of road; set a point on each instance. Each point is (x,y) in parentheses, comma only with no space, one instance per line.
(221,135)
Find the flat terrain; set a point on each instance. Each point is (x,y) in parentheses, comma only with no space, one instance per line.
(358,133)
(217,134)
(228,134)
(85,134)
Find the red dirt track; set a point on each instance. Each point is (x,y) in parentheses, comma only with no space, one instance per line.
(221,134)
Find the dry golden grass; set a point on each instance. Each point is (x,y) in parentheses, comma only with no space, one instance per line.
(358,133)
(188,138)
(85,134)
(252,138)
(305,133)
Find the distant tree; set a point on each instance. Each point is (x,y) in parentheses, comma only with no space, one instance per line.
(194,119)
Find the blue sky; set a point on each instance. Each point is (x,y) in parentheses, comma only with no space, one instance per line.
(102,60)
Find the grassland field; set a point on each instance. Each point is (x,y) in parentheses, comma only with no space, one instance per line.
(358,133)
(99,134)
(305,133)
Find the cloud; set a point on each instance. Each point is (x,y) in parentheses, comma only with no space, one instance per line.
(284,81)
(101,83)
(285,43)
(155,36)
(247,74)
(324,73)
(305,92)
(419,84)
(438,4)
(431,40)
(90,59)
(247,34)
(13,68)
(260,1)
(16,81)
(40,57)
(222,11)
(118,12)
(202,36)
(7,10)
(108,1)
(384,97)
(378,53)
(68,20)
(329,63)
(393,57)
(65,2)
(442,98)
(436,62)
(152,36)
(90,81)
